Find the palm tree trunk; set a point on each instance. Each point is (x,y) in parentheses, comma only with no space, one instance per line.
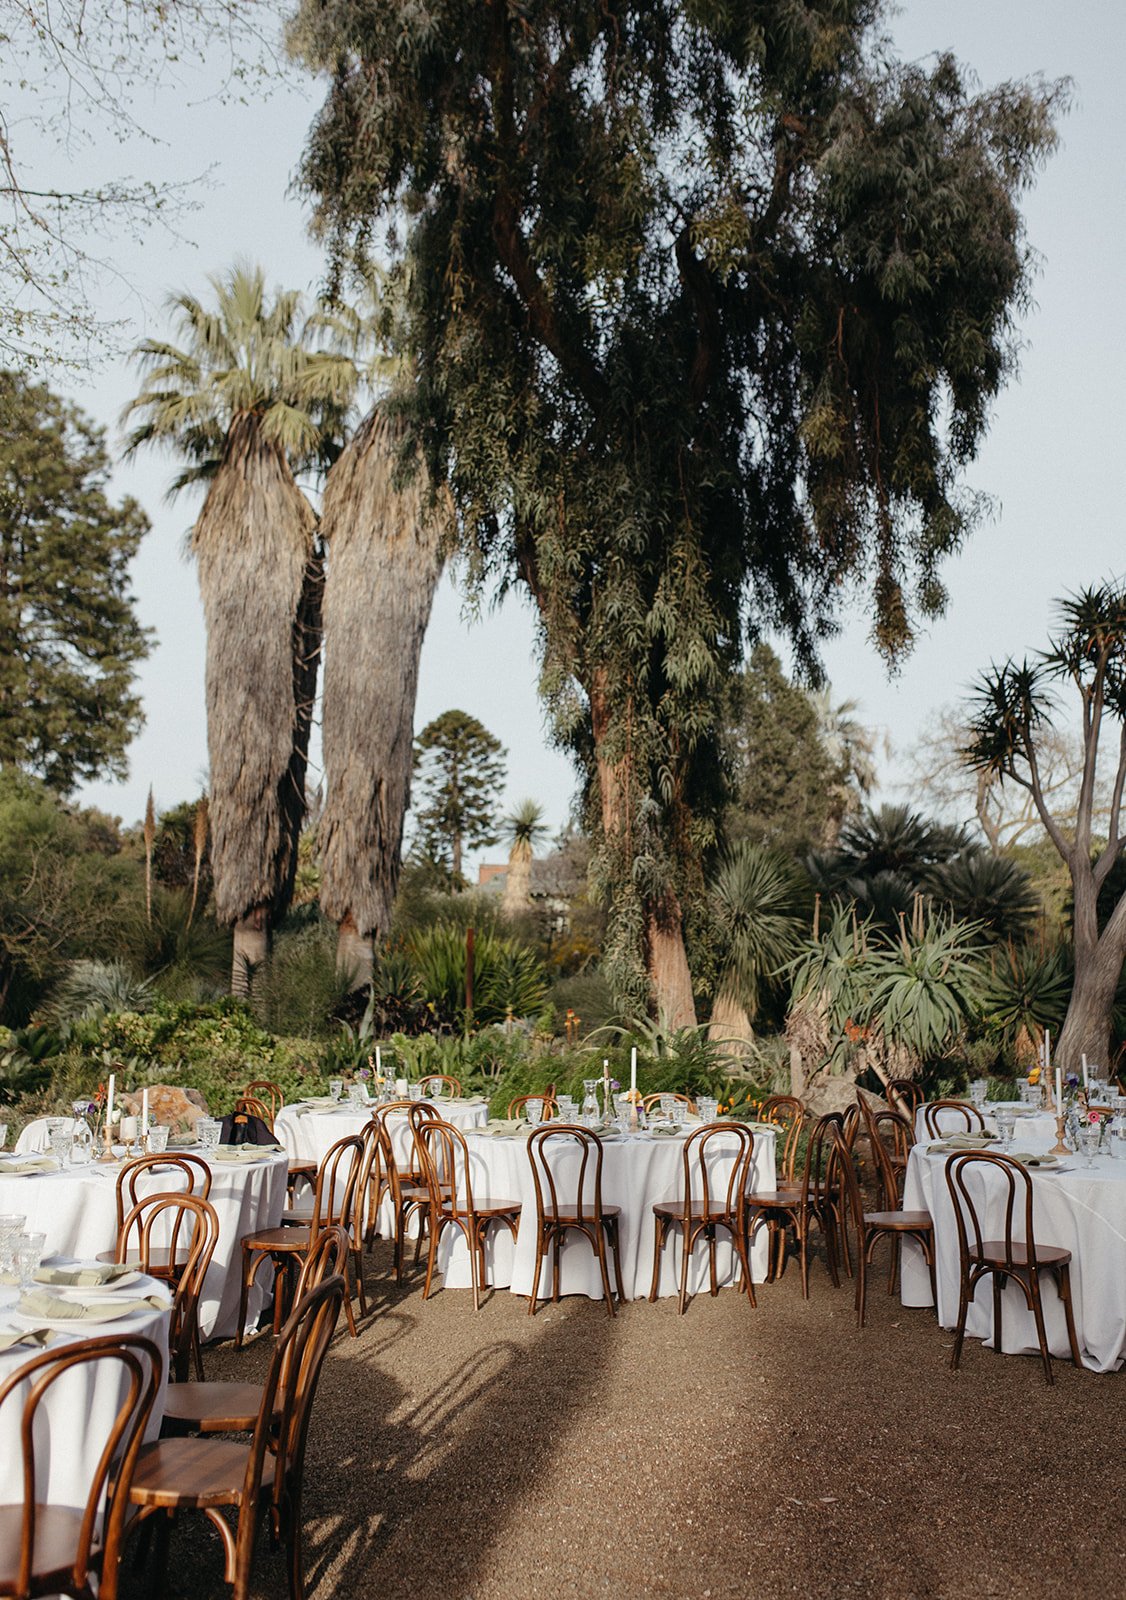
(729,1024)
(518,882)
(384,560)
(251,949)
(254,547)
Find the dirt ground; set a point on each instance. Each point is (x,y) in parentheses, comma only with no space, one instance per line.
(735,1451)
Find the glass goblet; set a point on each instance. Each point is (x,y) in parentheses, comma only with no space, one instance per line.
(28,1254)
(62,1142)
(1089,1142)
(336,1087)
(158,1139)
(533,1112)
(1006,1121)
(208,1130)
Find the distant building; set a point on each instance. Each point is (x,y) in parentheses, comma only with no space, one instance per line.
(557,880)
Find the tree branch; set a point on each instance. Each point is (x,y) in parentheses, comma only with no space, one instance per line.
(709,335)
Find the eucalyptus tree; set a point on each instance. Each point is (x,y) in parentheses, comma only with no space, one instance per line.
(1012,723)
(709,305)
(247,398)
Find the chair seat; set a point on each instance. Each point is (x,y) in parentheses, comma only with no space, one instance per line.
(495,1208)
(787,1194)
(903,1221)
(193,1473)
(277,1239)
(571,1214)
(213,1407)
(697,1211)
(299,1168)
(992,1254)
(297,1217)
(56,1540)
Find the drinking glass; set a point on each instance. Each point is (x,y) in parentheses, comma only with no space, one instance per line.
(1030,1094)
(567,1107)
(1006,1121)
(3,1134)
(707,1107)
(208,1131)
(1089,1142)
(158,1139)
(533,1112)
(28,1255)
(357,1099)
(979,1090)
(1116,1139)
(414,1092)
(336,1087)
(679,1113)
(62,1141)
(11,1226)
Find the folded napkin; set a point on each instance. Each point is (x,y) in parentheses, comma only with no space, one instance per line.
(183,1141)
(1028,1159)
(504,1124)
(22,1165)
(41,1303)
(36,1337)
(664,1132)
(244,1152)
(85,1274)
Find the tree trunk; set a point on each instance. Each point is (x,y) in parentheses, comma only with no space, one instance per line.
(730,1026)
(251,949)
(354,954)
(518,883)
(1098,967)
(669,976)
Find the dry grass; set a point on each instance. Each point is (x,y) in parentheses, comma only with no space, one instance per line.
(734,1452)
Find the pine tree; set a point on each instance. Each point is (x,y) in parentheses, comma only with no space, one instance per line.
(460,770)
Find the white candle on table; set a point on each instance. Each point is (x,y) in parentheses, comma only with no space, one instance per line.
(633,1072)
(1059,1093)
(378,1063)
(109,1098)
(144,1112)
(1048,1048)
(1086,1083)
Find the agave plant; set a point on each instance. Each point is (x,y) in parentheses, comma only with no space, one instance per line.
(925,983)
(1024,991)
(97,988)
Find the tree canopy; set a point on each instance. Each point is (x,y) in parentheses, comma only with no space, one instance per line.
(70,639)
(709,305)
(459,766)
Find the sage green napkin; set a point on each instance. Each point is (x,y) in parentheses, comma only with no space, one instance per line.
(85,1274)
(664,1133)
(36,1337)
(23,1166)
(244,1152)
(503,1126)
(41,1303)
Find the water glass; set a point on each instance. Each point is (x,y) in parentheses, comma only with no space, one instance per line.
(3,1134)
(1030,1094)
(567,1107)
(707,1107)
(28,1254)
(336,1087)
(533,1112)
(208,1131)
(414,1092)
(158,1139)
(679,1113)
(979,1091)
(11,1226)
(357,1096)
(62,1141)
(1006,1121)
(1116,1139)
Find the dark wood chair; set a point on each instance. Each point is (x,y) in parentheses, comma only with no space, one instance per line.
(1022,1261)
(906,1096)
(705,1205)
(404,1184)
(812,1200)
(446,1084)
(650,1100)
(445,1160)
(889,1221)
(334,1201)
(578,1210)
(971,1117)
(897,1137)
(788,1114)
(196,1175)
(550,1108)
(267,1094)
(212,1407)
(262,1476)
(47,1549)
(163,1214)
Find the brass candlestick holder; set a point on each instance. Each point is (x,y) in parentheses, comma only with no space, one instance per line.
(107,1146)
(1059,1148)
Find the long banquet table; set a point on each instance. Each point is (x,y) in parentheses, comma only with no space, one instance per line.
(77,1210)
(638,1170)
(308,1132)
(1075,1208)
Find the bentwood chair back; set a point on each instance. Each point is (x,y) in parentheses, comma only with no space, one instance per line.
(445,1083)
(788,1114)
(45,1549)
(269,1095)
(161,1215)
(516,1107)
(708,1202)
(449,1182)
(406,1184)
(248,1105)
(890,1139)
(265,1475)
(194,1170)
(939,1111)
(571,1203)
(655,1099)
(1000,1252)
(906,1094)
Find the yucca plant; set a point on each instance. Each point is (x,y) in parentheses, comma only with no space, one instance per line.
(96,988)
(757,897)
(509,979)
(1023,991)
(925,983)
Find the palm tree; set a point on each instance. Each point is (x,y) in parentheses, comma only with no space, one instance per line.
(524,829)
(385,544)
(248,399)
(758,898)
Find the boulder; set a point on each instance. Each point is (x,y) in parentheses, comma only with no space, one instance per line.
(176,1109)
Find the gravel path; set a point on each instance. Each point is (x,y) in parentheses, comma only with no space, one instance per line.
(730,1452)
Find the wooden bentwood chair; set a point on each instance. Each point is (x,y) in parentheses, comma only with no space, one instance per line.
(548,1147)
(972,1119)
(445,1160)
(517,1107)
(1022,1261)
(48,1549)
(165,1260)
(445,1084)
(906,1096)
(890,1221)
(212,1407)
(714,1206)
(404,1185)
(335,1198)
(267,1094)
(655,1099)
(164,1213)
(815,1198)
(788,1115)
(264,1475)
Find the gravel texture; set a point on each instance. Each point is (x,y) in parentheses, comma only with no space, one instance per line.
(730,1452)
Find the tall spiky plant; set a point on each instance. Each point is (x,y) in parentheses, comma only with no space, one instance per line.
(758,898)
(524,829)
(248,398)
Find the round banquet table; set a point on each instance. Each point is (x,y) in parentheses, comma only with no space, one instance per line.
(1033,1127)
(77,1210)
(307,1133)
(79,1409)
(638,1170)
(1075,1209)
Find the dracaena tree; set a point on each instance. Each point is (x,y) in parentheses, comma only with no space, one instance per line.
(1012,733)
(708,306)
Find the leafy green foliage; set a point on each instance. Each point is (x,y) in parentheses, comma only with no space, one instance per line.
(760,899)
(94,988)
(459,773)
(990,890)
(1025,991)
(509,980)
(70,640)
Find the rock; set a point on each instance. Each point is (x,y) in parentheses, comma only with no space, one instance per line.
(169,1107)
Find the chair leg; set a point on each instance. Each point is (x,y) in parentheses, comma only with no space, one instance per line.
(1064,1280)
(243,1297)
(1041,1330)
(600,1249)
(658,1241)
(431,1260)
(534,1296)
(713,1274)
(998,1286)
(616,1247)
(686,1243)
(294,1565)
(864,1248)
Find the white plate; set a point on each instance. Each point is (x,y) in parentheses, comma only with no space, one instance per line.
(95,1293)
(73,1325)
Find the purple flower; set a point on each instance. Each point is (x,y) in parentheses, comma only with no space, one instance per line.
(364,1072)
(614,1084)
(1072,1080)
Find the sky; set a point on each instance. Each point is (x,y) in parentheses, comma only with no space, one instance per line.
(1053,462)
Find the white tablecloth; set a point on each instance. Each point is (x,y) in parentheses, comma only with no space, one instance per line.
(76,1209)
(637,1172)
(309,1135)
(78,1411)
(1080,1210)
(1033,1127)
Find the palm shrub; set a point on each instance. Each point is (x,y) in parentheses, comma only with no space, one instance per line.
(509,979)
(990,890)
(95,988)
(757,898)
(1023,991)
